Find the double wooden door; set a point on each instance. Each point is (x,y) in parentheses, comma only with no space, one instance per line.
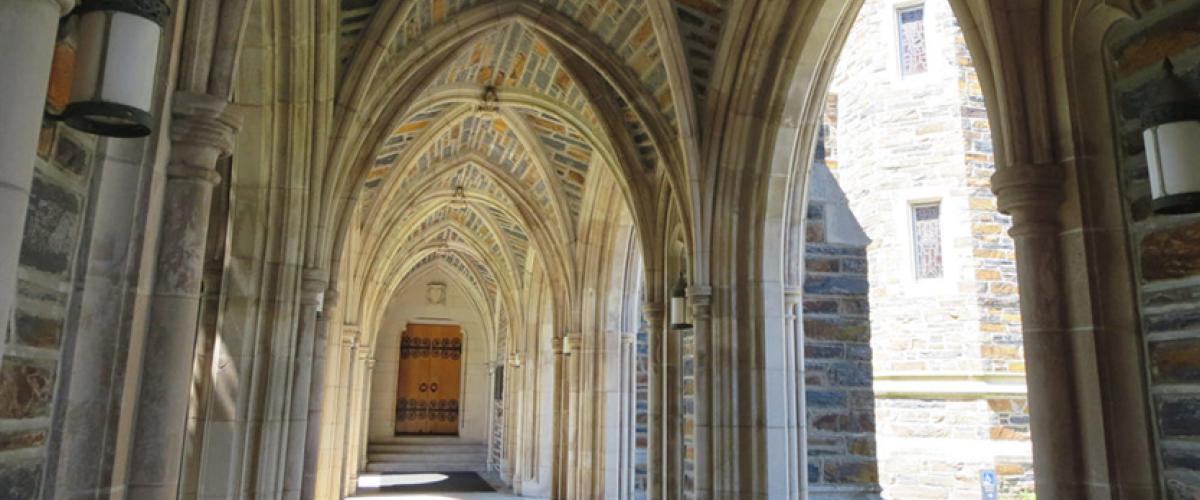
(429,380)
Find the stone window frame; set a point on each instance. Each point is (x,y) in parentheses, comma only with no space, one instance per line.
(953,220)
(897,12)
(933,43)
(913,234)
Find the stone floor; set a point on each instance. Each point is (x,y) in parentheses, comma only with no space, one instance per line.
(435,496)
(435,490)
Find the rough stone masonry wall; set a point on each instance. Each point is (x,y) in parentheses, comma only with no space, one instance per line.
(687,375)
(34,351)
(898,140)
(837,348)
(641,417)
(1166,248)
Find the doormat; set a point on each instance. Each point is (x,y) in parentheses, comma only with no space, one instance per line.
(454,482)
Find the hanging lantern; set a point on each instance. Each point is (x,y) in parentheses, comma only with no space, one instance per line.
(679,305)
(1172,137)
(115,66)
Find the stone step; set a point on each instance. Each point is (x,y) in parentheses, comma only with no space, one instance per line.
(380,468)
(426,454)
(427,448)
(417,457)
(422,440)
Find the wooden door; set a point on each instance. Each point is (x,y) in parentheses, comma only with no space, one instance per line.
(429,380)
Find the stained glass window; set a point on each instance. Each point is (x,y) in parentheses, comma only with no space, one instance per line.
(911,30)
(927,240)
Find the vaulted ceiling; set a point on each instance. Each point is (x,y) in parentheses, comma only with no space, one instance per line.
(488,168)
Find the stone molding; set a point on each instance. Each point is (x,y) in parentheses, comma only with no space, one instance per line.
(556,345)
(1031,194)
(628,338)
(960,385)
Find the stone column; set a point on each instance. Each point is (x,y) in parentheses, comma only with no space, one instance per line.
(655,463)
(354,418)
(573,415)
(797,419)
(346,384)
(1031,194)
(202,130)
(364,423)
(312,290)
(672,412)
(701,297)
(27,32)
(316,399)
(558,469)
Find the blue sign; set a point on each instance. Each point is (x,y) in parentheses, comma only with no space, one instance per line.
(989,486)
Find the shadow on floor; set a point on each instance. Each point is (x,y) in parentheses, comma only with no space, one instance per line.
(429,486)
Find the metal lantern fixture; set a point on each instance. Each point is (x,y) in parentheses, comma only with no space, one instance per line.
(1172,137)
(114,69)
(679,305)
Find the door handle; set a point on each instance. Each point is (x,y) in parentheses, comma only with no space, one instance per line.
(433,387)
(424,386)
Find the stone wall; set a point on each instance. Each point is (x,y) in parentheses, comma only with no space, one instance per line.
(947,353)
(33,354)
(1166,248)
(410,305)
(641,416)
(837,347)
(687,385)
(35,338)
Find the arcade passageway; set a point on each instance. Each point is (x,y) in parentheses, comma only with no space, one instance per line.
(582,249)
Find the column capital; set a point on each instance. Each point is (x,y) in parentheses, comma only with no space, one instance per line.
(701,299)
(1031,194)
(203,128)
(312,285)
(652,312)
(364,352)
(556,345)
(371,363)
(331,298)
(573,341)
(628,338)
(64,6)
(349,336)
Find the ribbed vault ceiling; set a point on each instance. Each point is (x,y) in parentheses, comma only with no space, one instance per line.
(491,188)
